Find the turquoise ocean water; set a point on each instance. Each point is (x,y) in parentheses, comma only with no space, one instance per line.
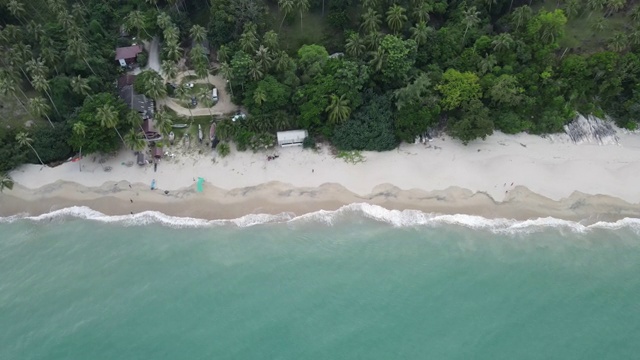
(360,283)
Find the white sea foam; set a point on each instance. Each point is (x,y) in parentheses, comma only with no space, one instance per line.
(396,218)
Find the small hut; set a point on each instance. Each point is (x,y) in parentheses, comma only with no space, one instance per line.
(292,137)
(157,152)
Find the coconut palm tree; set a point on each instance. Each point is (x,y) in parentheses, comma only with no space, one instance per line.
(371,21)
(618,42)
(39,107)
(163,20)
(77,47)
(41,84)
(80,86)
(378,59)
(6,182)
(169,69)
(108,117)
(286,6)
(489,2)
(248,39)
(396,17)
(23,139)
(470,17)
(355,45)
(135,20)
(614,6)
(369,4)
(154,3)
(502,41)
(223,53)
(270,40)
(259,96)
(155,87)
(487,63)
(263,57)
(255,71)
(420,33)
(80,130)
(171,34)
(16,9)
(521,16)
(133,140)
(198,33)
(172,51)
(164,123)
(183,93)
(338,109)
(227,72)
(7,87)
(302,6)
(373,40)
(422,11)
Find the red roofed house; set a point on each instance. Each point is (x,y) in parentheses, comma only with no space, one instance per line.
(127,55)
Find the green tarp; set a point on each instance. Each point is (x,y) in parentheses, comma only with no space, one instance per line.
(200,184)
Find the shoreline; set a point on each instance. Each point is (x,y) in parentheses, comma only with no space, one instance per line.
(506,176)
(274,198)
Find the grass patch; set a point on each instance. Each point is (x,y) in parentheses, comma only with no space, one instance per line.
(351,157)
(189,78)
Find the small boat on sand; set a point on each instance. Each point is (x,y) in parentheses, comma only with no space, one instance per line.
(200,135)
(172,137)
(179,126)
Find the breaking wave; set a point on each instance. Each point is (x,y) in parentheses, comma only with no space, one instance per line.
(396,218)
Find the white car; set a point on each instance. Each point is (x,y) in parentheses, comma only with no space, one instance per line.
(190,85)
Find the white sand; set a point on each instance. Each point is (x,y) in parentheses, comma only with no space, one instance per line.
(554,170)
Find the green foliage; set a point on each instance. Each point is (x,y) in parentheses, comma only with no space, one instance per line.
(473,123)
(50,143)
(457,88)
(370,128)
(351,157)
(399,58)
(223,149)
(97,138)
(11,155)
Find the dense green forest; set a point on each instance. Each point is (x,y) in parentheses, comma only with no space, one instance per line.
(363,75)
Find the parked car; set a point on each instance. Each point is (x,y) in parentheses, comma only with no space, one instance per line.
(190,85)
(194,101)
(214,94)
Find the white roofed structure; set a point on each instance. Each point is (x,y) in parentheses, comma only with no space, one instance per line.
(292,137)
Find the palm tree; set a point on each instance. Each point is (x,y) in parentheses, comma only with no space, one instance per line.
(502,41)
(223,53)
(270,40)
(286,6)
(339,109)
(378,59)
(41,84)
(16,9)
(39,107)
(618,42)
(23,139)
(133,140)
(598,24)
(369,4)
(303,6)
(183,92)
(79,48)
(420,33)
(373,40)
(223,149)
(355,46)
(227,72)
(172,51)
(283,61)
(7,87)
(6,182)
(259,96)
(471,17)
(248,41)
(396,17)
(80,86)
(521,15)
(264,58)
(421,12)
(153,2)
(572,8)
(164,122)
(163,20)
(80,130)
(169,69)
(255,71)
(613,6)
(155,87)
(635,14)
(487,63)
(371,21)
(198,33)
(108,118)
(490,2)
(171,34)
(135,20)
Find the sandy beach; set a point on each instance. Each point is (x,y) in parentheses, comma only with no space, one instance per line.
(505,176)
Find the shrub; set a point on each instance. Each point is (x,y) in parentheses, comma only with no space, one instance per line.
(223,149)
